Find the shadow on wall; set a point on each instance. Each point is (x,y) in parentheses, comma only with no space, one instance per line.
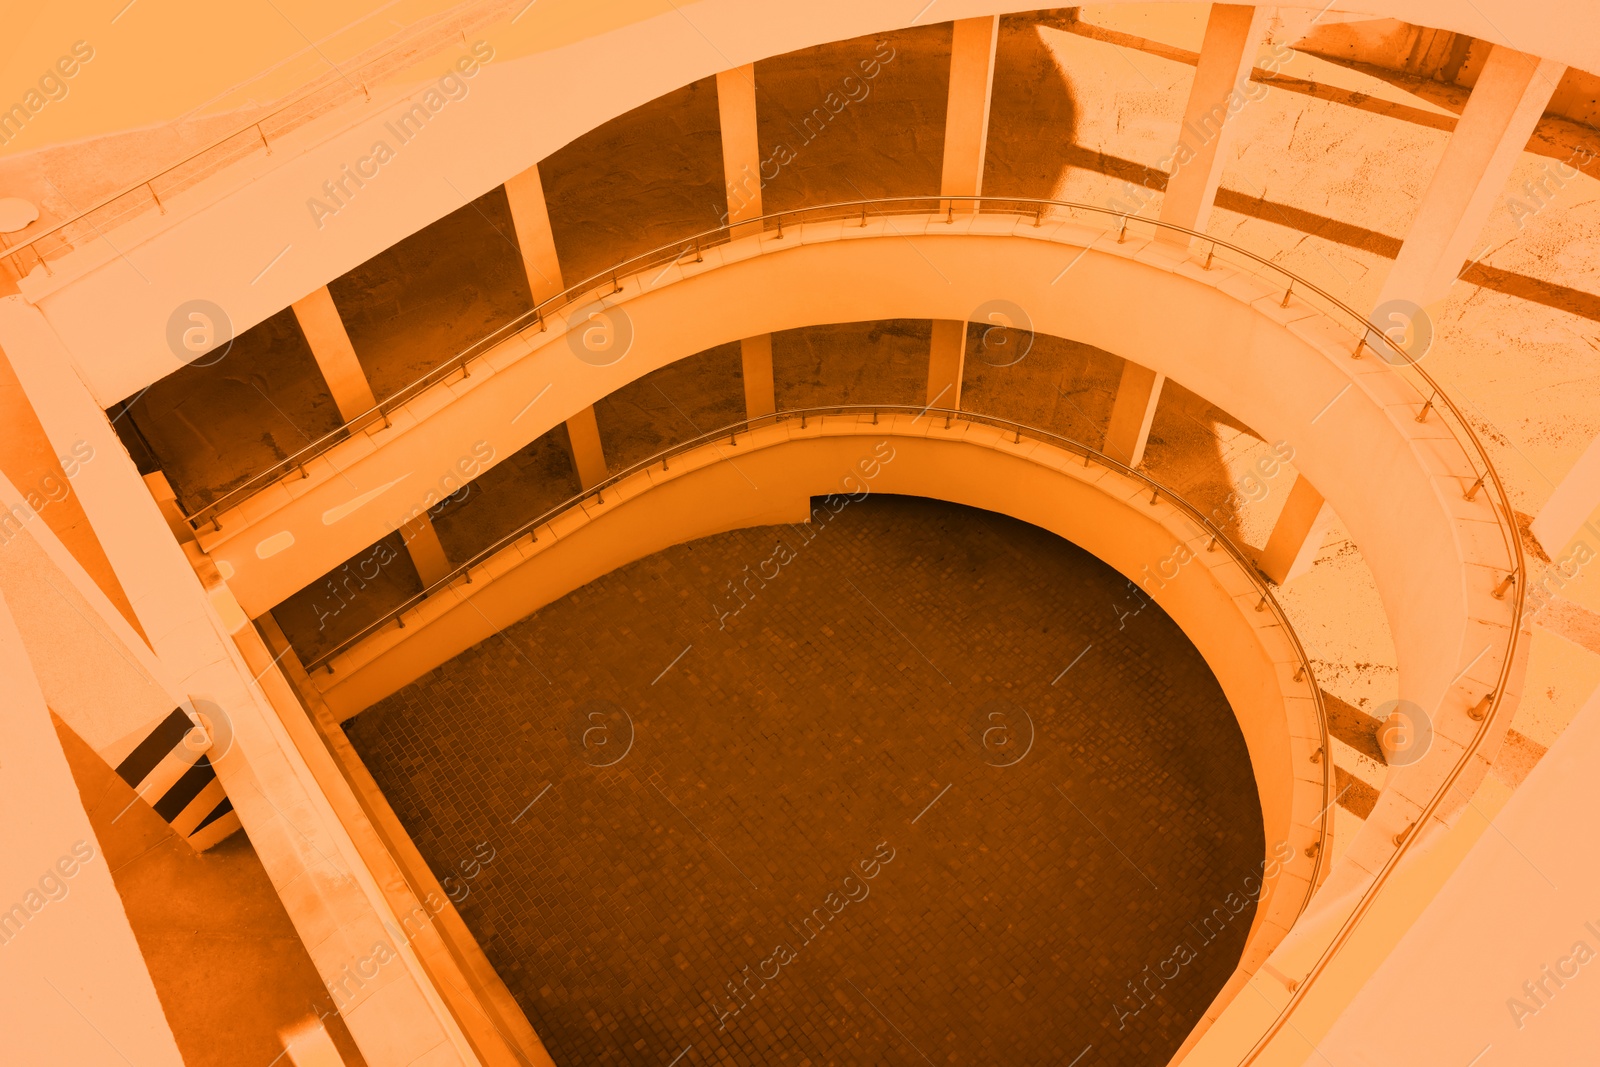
(1033,119)
(1065,387)
(855,119)
(675,403)
(417,303)
(215,423)
(883,361)
(1210,457)
(338,605)
(645,179)
(518,489)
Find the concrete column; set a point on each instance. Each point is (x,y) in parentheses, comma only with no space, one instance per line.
(308,1045)
(1505,105)
(336,358)
(760,395)
(741,151)
(741,169)
(335,355)
(1227,53)
(73,984)
(588,457)
(329,892)
(531,219)
(1297,537)
(1570,506)
(427,551)
(945,363)
(966,120)
(1132,412)
(166,499)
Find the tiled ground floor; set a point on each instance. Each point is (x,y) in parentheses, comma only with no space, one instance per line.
(930,787)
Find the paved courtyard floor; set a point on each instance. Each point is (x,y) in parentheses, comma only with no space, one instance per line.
(940,791)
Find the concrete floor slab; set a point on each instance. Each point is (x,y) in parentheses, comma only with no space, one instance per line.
(839,713)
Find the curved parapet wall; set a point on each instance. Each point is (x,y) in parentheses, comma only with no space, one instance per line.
(1215,597)
(1285,370)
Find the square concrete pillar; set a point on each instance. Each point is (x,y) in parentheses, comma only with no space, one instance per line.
(309,1045)
(1570,506)
(760,395)
(1132,413)
(946,360)
(1506,103)
(588,456)
(531,219)
(426,550)
(1227,54)
(1297,536)
(966,121)
(335,355)
(741,149)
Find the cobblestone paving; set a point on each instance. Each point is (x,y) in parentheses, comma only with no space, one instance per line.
(835,837)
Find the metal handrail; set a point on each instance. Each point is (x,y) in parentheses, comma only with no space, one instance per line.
(342,86)
(1036,209)
(1218,536)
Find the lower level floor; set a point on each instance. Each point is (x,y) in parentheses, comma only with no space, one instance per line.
(922,785)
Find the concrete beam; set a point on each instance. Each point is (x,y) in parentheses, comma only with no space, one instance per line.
(1297,536)
(1570,506)
(1227,52)
(588,455)
(432,927)
(946,360)
(335,355)
(966,122)
(27,458)
(335,903)
(73,985)
(760,394)
(530,217)
(1505,105)
(1132,413)
(741,149)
